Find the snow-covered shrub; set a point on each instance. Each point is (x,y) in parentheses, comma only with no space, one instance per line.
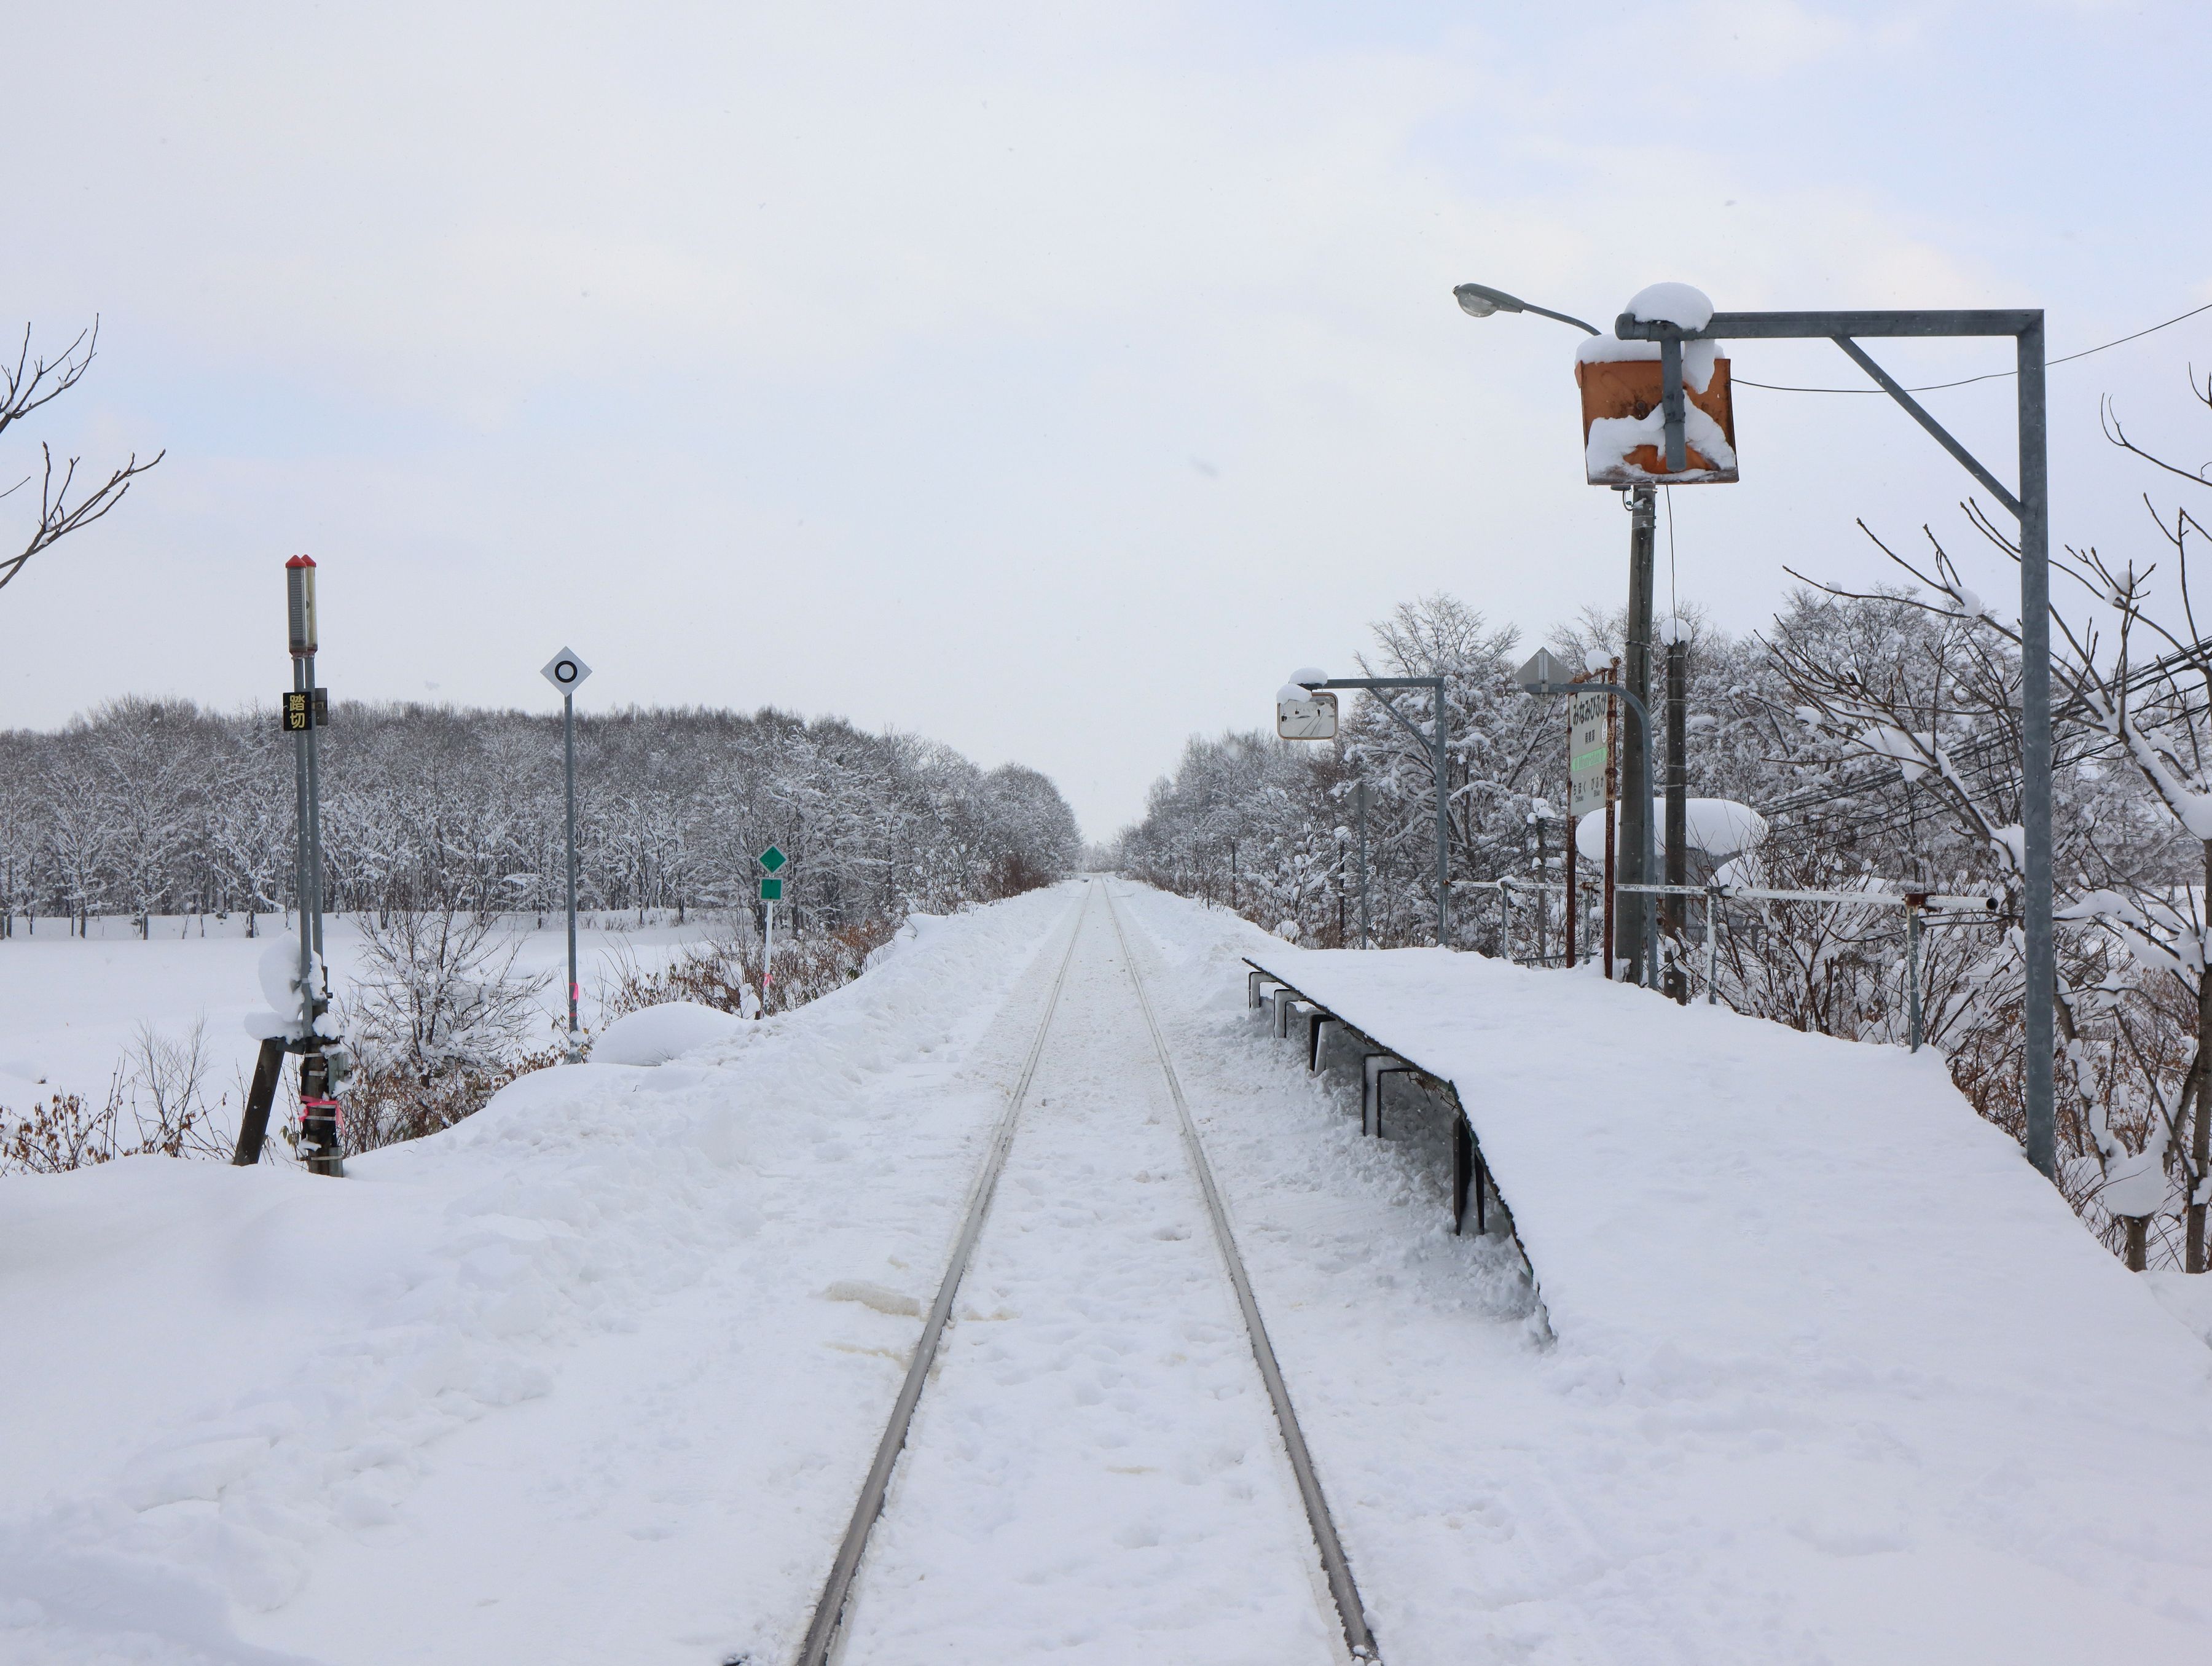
(439,1015)
(725,972)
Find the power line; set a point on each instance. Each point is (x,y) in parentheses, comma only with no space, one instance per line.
(1990,376)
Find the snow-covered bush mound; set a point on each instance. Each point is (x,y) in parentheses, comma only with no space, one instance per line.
(917,927)
(653,1035)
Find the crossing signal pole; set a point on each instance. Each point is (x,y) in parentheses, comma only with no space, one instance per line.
(307,708)
(324,1061)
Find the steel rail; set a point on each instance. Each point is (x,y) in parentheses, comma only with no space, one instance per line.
(837,1592)
(1351,1613)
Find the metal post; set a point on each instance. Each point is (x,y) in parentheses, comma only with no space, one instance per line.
(2042,991)
(302,884)
(1573,822)
(1359,797)
(1912,974)
(1638,920)
(315,822)
(768,955)
(568,762)
(1712,955)
(1609,893)
(1677,818)
(320,1145)
(1673,418)
(1443,822)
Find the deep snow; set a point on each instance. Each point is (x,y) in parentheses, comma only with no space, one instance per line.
(595,1376)
(1891,1394)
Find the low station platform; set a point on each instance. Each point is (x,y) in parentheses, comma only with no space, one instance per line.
(1689,1173)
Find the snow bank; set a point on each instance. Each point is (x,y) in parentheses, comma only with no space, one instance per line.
(653,1035)
(328,1417)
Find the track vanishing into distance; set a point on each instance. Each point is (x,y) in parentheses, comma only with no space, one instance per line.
(1084,1446)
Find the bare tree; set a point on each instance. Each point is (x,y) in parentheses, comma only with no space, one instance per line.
(65,506)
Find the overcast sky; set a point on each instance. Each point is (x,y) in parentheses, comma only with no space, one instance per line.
(1050,380)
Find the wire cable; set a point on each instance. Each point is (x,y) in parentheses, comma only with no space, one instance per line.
(1988,376)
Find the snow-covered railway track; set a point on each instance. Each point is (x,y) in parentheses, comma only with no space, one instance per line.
(1092,1471)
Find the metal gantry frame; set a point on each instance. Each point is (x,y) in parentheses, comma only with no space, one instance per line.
(2031,506)
(1439,755)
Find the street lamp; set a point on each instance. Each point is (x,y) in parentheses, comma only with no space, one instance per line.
(1479,301)
(1302,725)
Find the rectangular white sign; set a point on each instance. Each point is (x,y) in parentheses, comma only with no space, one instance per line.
(1589,753)
(1312,719)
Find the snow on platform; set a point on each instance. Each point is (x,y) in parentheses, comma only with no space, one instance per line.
(1728,1219)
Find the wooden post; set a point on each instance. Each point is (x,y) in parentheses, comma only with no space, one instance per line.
(253,1121)
(1573,822)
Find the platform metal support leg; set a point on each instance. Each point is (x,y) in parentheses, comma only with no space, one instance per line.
(1284,999)
(1313,1023)
(1463,1175)
(1377,1065)
(1252,996)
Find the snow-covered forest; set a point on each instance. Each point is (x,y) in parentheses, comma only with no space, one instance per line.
(157,807)
(1877,735)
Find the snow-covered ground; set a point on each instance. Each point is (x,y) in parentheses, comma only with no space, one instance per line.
(596,1376)
(71,1008)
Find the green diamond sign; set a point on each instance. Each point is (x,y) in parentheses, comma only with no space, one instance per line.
(773,858)
(771,890)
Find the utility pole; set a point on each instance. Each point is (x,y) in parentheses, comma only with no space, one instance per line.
(1678,810)
(1634,907)
(1611,877)
(565,670)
